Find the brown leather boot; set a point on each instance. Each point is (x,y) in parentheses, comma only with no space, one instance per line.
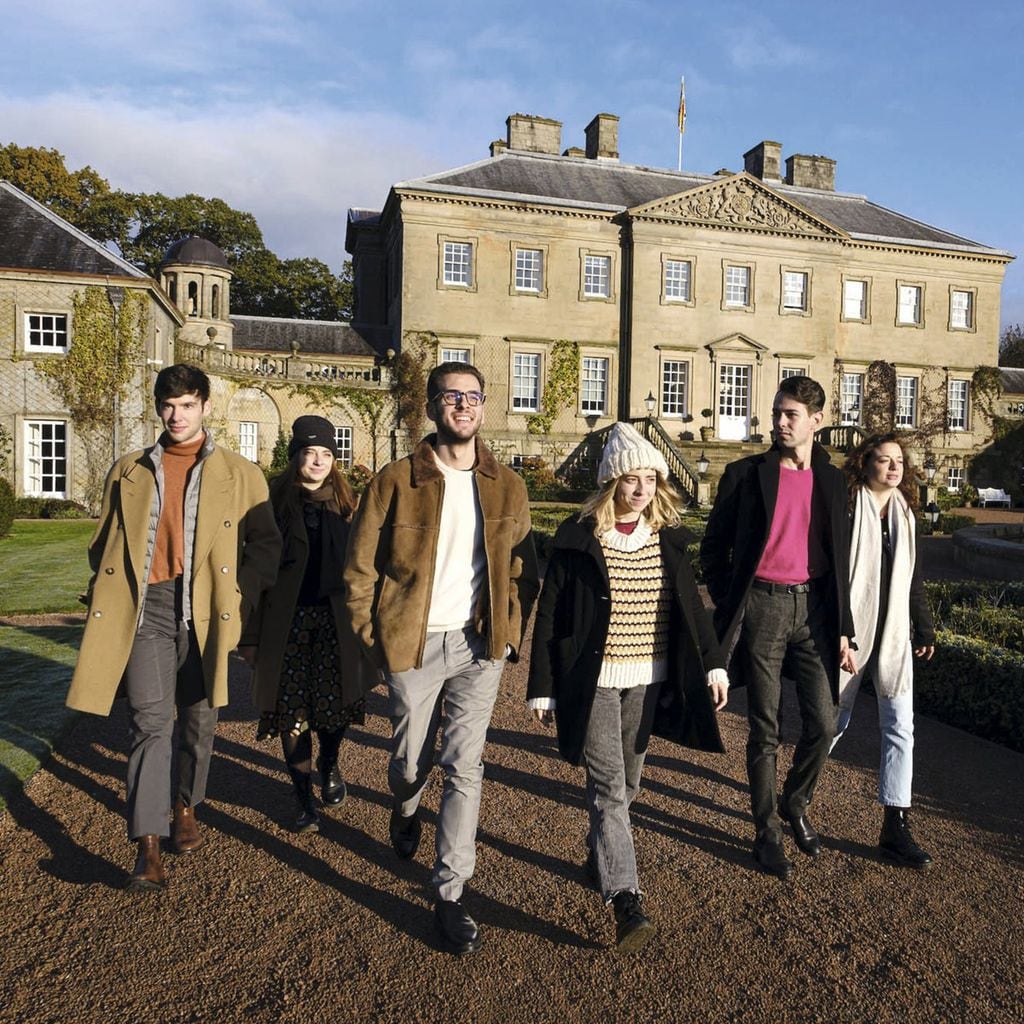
(185,835)
(148,872)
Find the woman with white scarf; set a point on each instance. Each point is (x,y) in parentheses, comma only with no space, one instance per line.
(892,619)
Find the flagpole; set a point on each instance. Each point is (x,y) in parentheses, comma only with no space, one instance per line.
(679,167)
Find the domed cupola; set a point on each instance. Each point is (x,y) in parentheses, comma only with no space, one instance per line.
(195,275)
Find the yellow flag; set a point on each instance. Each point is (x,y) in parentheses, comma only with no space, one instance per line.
(682,105)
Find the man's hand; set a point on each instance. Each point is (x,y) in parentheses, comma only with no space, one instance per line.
(847,662)
(544,716)
(719,694)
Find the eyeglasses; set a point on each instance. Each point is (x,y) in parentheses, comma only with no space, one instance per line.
(453,397)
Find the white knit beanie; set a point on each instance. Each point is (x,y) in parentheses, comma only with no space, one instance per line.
(627,451)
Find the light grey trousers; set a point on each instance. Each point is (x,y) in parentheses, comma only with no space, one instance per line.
(454,691)
(164,670)
(613,753)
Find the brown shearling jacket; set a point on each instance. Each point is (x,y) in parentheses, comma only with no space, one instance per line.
(392,547)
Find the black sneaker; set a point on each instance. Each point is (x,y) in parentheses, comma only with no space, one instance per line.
(632,927)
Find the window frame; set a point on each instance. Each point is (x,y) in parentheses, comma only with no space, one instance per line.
(46,350)
(245,444)
(917,324)
(805,308)
(786,372)
(972,309)
(672,300)
(344,439)
(734,307)
(533,354)
(26,460)
(844,418)
(684,384)
(865,303)
(605,384)
(914,396)
(604,254)
(965,422)
(960,477)
(443,241)
(541,292)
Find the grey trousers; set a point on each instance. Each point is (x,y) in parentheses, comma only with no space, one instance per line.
(793,628)
(454,691)
(164,670)
(613,753)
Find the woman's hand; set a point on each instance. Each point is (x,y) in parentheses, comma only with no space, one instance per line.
(719,694)
(847,662)
(925,652)
(544,716)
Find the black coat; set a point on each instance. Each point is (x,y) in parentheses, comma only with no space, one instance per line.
(572,625)
(737,533)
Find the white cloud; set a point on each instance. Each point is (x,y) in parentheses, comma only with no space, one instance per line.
(758,45)
(297,172)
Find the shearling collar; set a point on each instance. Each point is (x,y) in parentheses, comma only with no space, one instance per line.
(424,466)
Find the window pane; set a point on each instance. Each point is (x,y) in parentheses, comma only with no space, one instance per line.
(957,404)
(458,259)
(910,304)
(855,300)
(850,398)
(529,270)
(248,440)
(48,331)
(343,442)
(906,401)
(594,392)
(525,381)
(595,275)
(46,461)
(792,371)
(954,478)
(794,290)
(455,355)
(677,280)
(674,387)
(962,312)
(737,286)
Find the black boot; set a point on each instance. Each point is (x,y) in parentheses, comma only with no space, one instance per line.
(896,842)
(307,819)
(332,786)
(632,927)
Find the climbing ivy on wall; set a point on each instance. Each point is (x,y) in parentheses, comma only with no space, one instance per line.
(95,375)
(560,386)
(409,370)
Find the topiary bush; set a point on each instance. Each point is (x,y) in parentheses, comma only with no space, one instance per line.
(49,508)
(7,505)
(975,686)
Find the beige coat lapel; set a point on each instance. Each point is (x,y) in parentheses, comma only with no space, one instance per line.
(215,505)
(138,486)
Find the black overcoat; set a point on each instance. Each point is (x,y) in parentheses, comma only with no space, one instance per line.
(572,625)
(737,533)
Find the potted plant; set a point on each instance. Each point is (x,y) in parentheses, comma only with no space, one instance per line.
(707,432)
(756,437)
(687,434)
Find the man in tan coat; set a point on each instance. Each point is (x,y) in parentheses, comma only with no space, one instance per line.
(440,580)
(186,542)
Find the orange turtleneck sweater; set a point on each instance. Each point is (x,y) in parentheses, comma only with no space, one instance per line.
(169,550)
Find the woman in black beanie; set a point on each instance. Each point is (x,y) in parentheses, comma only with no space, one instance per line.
(307,668)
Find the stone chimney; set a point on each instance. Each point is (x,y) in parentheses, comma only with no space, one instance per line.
(574,151)
(534,134)
(811,172)
(498,146)
(603,137)
(764,161)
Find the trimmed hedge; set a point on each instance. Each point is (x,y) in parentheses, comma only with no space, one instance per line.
(943,595)
(49,508)
(7,504)
(974,686)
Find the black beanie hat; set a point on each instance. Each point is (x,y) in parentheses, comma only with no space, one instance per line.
(310,431)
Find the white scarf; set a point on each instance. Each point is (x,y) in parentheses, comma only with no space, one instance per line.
(894,672)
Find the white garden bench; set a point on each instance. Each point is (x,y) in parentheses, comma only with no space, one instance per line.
(992,496)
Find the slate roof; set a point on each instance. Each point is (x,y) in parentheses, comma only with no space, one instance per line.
(1012,380)
(322,337)
(35,238)
(619,187)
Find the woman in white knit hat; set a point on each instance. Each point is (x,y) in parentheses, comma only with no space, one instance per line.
(622,646)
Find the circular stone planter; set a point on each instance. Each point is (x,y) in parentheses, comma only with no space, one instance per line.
(994,552)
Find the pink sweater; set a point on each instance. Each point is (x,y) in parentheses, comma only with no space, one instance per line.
(794,551)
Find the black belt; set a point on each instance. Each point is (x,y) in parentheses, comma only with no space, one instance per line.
(785,588)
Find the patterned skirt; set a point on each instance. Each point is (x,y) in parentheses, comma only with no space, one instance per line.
(309,693)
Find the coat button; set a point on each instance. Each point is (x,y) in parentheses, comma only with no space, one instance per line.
(225,615)
(223,568)
(227,522)
(109,572)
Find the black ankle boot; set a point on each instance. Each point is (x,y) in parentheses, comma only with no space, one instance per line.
(332,786)
(896,842)
(307,819)
(632,927)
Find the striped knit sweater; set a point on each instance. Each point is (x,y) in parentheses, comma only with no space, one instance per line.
(636,649)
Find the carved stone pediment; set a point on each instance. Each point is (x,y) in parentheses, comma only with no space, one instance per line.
(741,201)
(737,342)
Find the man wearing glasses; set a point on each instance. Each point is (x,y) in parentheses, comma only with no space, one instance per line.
(440,581)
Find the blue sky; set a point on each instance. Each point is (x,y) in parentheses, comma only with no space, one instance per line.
(297,111)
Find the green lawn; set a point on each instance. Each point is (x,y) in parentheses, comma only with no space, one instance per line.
(43,565)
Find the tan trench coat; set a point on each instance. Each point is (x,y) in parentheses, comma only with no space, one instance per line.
(235,556)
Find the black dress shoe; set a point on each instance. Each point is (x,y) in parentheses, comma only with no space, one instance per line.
(803,832)
(405,834)
(332,786)
(771,854)
(457,930)
(632,927)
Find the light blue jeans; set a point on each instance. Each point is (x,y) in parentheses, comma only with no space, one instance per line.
(896,724)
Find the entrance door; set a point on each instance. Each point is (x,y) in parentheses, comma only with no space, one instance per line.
(733,402)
